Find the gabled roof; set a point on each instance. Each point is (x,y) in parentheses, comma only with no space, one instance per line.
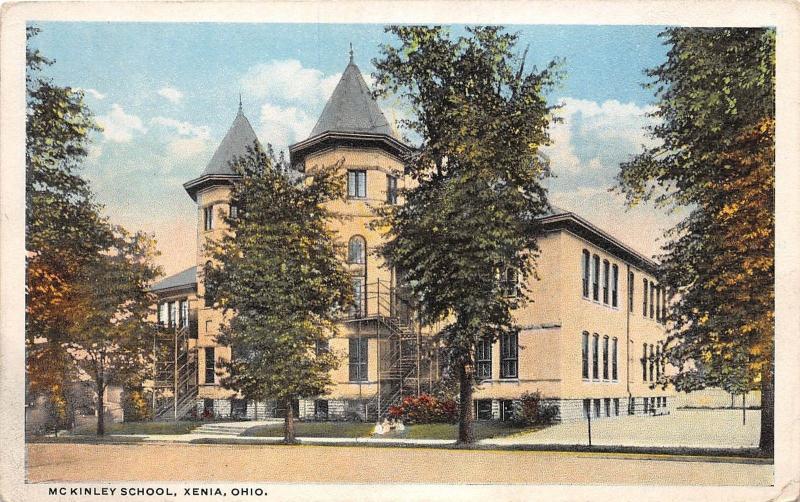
(239,138)
(184,279)
(352,109)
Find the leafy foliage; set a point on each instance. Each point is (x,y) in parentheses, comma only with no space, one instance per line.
(531,409)
(716,157)
(477,196)
(277,273)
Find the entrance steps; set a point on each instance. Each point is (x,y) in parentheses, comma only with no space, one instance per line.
(232,428)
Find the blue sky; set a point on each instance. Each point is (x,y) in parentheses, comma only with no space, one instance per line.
(165,94)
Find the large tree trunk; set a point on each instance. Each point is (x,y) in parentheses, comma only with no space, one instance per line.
(466,434)
(101,425)
(288,424)
(766,441)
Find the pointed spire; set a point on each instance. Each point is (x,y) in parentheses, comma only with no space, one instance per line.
(351,52)
(240,102)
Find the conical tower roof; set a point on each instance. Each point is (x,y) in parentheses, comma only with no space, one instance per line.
(351,108)
(237,140)
(351,117)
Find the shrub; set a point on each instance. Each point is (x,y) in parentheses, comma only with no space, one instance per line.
(425,409)
(531,409)
(135,407)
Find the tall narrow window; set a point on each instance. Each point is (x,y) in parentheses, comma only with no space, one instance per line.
(605,281)
(509,354)
(658,304)
(596,278)
(508,283)
(605,358)
(483,360)
(184,316)
(357,184)
(664,306)
(356,250)
(595,355)
(210,362)
(614,359)
(615,285)
(644,297)
(586,266)
(208,295)
(585,355)
(233,211)
(631,282)
(358,359)
(652,361)
(644,362)
(652,297)
(173,314)
(391,189)
(163,314)
(358,309)
(208,217)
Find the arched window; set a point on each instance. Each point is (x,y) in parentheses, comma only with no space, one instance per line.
(356,250)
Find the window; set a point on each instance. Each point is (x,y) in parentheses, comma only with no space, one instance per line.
(595,353)
(210,372)
(173,314)
(597,408)
(664,306)
(586,267)
(184,314)
(607,403)
(233,211)
(658,362)
(606,278)
(630,291)
(614,359)
(605,358)
(356,250)
(596,278)
(322,346)
(652,360)
(644,362)
(483,409)
(506,410)
(208,296)
(616,406)
(644,297)
(615,285)
(163,314)
(357,184)
(587,408)
(508,283)
(652,296)
(483,360)
(321,409)
(208,217)
(358,309)
(358,359)
(658,304)
(391,189)
(585,355)
(509,345)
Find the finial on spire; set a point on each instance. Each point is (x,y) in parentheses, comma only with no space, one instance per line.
(351,52)
(240,102)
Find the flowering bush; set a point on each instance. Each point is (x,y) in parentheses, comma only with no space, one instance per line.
(531,409)
(425,409)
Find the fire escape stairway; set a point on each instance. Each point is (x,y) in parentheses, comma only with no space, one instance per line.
(175,383)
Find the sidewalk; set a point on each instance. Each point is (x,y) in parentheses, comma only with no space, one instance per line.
(227,438)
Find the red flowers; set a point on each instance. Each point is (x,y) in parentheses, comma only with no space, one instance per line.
(425,409)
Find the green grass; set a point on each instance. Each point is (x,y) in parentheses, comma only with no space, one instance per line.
(483,430)
(180,427)
(316,430)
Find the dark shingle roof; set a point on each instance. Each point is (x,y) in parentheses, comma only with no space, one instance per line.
(184,278)
(352,109)
(239,138)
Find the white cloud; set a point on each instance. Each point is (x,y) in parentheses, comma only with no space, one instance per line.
(183,128)
(171,94)
(119,126)
(191,141)
(93,93)
(282,126)
(289,81)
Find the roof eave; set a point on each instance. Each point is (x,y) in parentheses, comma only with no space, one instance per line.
(394,145)
(195,185)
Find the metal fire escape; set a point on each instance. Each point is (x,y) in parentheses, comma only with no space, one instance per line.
(400,345)
(175,373)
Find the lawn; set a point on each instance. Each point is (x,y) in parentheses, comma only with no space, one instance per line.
(180,427)
(483,430)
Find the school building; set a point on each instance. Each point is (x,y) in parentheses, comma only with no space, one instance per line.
(589,342)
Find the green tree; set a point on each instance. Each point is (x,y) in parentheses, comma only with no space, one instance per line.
(63,226)
(472,216)
(279,276)
(715,158)
(109,335)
